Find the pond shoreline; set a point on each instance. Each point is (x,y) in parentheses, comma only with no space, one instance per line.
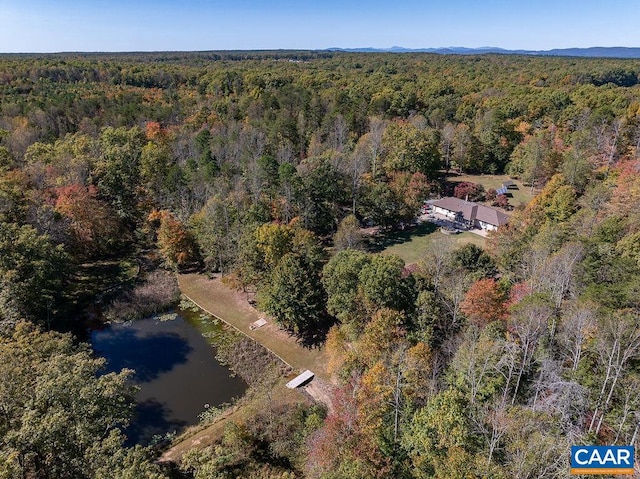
(235,328)
(214,298)
(175,369)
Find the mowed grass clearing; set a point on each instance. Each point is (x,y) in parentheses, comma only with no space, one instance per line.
(516,196)
(413,243)
(212,296)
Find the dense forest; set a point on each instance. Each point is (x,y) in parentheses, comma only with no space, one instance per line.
(263,167)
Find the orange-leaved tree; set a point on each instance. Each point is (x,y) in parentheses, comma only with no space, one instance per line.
(93,224)
(175,242)
(484,302)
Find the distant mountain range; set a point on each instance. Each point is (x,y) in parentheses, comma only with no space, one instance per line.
(610,52)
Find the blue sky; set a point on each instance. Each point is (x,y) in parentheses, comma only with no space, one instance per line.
(143,25)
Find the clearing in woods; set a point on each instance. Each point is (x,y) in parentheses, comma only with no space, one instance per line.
(230,306)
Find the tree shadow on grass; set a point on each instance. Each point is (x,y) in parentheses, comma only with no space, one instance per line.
(384,240)
(315,337)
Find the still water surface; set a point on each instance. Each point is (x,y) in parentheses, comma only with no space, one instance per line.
(175,368)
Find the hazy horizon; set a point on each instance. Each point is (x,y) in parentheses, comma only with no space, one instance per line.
(44,26)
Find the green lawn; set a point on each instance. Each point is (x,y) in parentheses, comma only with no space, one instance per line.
(212,296)
(516,196)
(412,243)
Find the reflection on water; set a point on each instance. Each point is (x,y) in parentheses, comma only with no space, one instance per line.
(150,352)
(152,418)
(176,370)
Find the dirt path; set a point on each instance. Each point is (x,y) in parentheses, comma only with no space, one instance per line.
(231,307)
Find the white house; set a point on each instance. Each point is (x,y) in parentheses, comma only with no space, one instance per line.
(469,213)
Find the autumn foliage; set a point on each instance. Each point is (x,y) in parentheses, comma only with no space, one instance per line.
(263,156)
(626,194)
(91,221)
(175,242)
(337,350)
(342,444)
(501,201)
(484,302)
(467,190)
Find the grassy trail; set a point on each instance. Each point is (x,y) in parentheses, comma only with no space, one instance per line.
(228,305)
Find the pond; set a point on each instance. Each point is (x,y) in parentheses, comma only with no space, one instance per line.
(175,368)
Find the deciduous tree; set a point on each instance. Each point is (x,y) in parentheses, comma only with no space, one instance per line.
(341,280)
(484,302)
(439,431)
(618,344)
(175,242)
(93,225)
(475,260)
(349,235)
(412,149)
(117,171)
(528,323)
(32,275)
(217,229)
(384,285)
(60,417)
